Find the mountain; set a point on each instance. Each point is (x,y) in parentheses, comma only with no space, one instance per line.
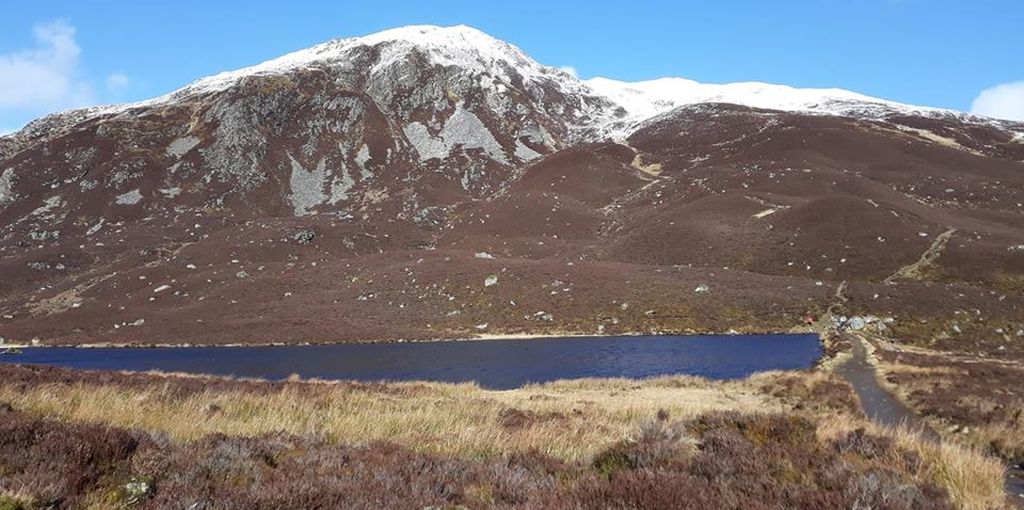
(429,182)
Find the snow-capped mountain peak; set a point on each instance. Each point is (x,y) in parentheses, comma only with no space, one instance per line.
(455,45)
(592,106)
(460,45)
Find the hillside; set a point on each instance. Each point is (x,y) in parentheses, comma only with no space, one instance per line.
(430,182)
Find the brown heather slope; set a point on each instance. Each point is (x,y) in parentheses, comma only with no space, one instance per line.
(359,193)
(770,210)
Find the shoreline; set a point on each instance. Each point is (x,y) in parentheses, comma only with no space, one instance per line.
(477,338)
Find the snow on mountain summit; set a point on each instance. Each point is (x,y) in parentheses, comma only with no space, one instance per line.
(477,52)
(600,106)
(647,98)
(460,45)
(644,100)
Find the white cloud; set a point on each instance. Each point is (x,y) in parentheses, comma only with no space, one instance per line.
(117,83)
(1004,101)
(571,70)
(45,78)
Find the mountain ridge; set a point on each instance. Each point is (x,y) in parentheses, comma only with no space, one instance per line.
(373,198)
(470,48)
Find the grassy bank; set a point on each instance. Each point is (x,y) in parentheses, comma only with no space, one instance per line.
(569,420)
(792,439)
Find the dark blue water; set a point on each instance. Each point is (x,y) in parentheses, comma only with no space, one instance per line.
(499,364)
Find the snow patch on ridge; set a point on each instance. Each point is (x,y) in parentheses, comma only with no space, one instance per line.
(647,99)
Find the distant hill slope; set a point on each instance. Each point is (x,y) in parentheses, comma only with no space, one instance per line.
(430,182)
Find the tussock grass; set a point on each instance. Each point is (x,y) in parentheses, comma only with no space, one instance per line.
(569,420)
(973,478)
(577,421)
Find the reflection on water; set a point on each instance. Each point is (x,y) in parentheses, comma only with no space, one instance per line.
(498,364)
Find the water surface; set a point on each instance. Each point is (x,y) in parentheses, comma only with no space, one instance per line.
(498,364)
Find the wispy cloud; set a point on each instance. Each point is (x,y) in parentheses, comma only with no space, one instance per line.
(46,77)
(117,83)
(1004,101)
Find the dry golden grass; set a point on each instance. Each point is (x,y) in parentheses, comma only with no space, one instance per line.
(568,420)
(571,420)
(974,479)
(915,370)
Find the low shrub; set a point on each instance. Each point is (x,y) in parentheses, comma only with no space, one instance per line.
(815,391)
(754,461)
(658,445)
(717,460)
(57,463)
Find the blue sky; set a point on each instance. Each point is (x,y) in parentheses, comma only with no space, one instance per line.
(59,54)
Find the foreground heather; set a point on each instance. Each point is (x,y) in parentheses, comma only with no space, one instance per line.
(783,440)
